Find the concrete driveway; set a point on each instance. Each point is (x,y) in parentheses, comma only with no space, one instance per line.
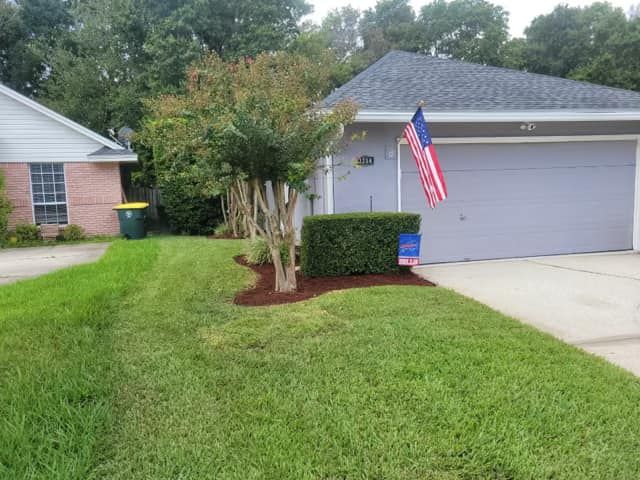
(591,301)
(20,263)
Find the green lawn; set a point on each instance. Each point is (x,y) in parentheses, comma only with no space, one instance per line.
(138,367)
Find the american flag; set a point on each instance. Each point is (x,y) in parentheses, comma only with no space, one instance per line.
(424,153)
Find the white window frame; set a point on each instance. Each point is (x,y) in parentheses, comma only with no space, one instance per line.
(66,193)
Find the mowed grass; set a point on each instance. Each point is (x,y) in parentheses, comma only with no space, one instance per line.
(139,367)
(57,363)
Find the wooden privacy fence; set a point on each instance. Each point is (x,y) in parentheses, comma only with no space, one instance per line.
(144,194)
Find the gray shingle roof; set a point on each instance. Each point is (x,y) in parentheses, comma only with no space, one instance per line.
(110,152)
(399,80)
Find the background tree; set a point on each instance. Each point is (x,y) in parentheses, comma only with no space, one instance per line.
(96,68)
(389,25)
(569,38)
(340,26)
(256,128)
(117,52)
(618,65)
(471,30)
(336,44)
(514,54)
(23,24)
(11,34)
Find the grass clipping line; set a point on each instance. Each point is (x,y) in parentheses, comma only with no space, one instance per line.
(263,292)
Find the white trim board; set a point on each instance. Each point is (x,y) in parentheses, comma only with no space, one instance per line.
(376,116)
(545,139)
(399,173)
(329,200)
(59,118)
(636,207)
(132,158)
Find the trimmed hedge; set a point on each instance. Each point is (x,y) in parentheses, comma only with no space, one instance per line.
(353,243)
(5,210)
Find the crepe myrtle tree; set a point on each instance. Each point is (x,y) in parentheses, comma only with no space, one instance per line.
(255,127)
(271,140)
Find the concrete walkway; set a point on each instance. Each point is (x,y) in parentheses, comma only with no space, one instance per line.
(20,263)
(591,301)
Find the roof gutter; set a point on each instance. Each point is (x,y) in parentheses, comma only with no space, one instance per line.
(120,158)
(378,116)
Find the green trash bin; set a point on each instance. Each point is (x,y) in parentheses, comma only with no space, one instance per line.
(131,217)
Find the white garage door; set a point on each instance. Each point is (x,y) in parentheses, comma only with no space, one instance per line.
(518,200)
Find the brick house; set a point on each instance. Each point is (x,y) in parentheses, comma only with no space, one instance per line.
(57,172)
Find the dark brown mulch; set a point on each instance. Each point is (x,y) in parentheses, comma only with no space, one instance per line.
(224,236)
(308,287)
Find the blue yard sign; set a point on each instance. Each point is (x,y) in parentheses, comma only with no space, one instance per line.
(409,249)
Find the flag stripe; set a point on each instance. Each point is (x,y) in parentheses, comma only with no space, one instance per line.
(416,154)
(435,173)
(415,150)
(426,158)
(436,161)
(420,158)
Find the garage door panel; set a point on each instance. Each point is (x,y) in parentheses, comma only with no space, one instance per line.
(528,156)
(481,223)
(516,185)
(509,245)
(493,213)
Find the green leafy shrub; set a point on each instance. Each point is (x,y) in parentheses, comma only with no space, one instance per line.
(11,239)
(353,243)
(222,230)
(258,253)
(73,232)
(27,232)
(5,210)
(188,208)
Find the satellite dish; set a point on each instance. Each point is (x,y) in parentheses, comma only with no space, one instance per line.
(125,134)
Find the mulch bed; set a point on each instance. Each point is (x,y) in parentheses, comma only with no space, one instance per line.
(224,236)
(262,293)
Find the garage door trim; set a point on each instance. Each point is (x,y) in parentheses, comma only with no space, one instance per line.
(546,139)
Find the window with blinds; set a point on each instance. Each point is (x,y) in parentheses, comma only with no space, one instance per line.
(48,193)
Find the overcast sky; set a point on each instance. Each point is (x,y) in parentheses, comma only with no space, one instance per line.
(521,12)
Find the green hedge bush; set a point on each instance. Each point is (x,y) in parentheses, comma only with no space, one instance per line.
(27,232)
(189,210)
(73,232)
(5,210)
(353,243)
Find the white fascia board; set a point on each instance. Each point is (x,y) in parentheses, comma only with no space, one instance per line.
(133,158)
(59,118)
(528,139)
(376,116)
(636,207)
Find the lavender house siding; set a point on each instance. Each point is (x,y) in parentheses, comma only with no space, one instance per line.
(356,188)
(506,200)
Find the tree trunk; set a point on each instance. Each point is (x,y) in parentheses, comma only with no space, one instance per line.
(278,228)
(223,207)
